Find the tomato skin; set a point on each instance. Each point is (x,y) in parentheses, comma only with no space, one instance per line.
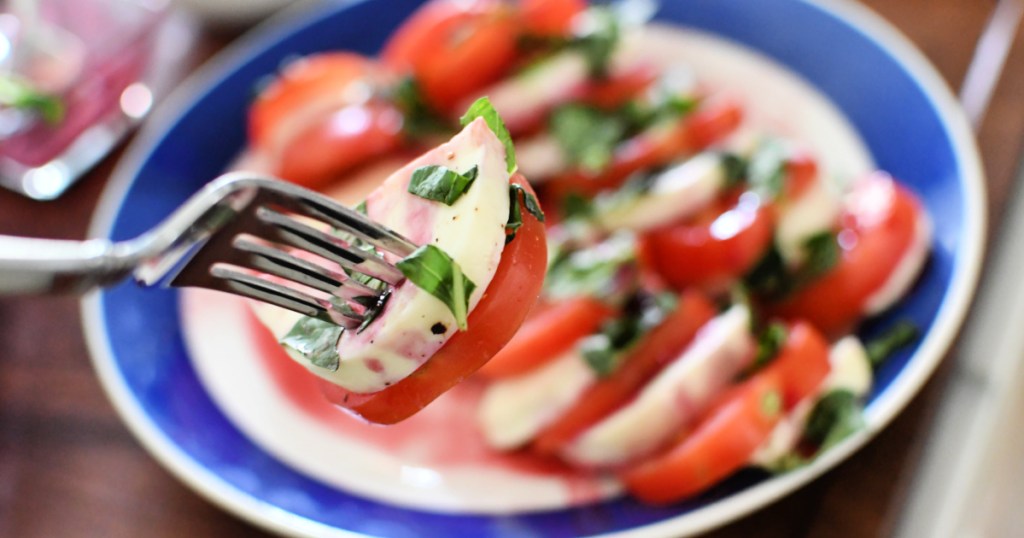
(340,142)
(652,353)
(719,445)
(492,323)
(546,335)
(802,364)
(550,17)
(879,224)
(657,146)
(618,88)
(454,48)
(714,249)
(308,80)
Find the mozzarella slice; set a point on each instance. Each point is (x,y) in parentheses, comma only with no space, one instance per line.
(471,232)
(849,370)
(540,158)
(514,410)
(816,210)
(677,193)
(673,398)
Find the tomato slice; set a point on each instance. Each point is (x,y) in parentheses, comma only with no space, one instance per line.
(550,17)
(715,248)
(655,147)
(548,334)
(802,364)
(619,87)
(719,445)
(317,81)
(339,142)
(879,224)
(455,48)
(496,318)
(651,354)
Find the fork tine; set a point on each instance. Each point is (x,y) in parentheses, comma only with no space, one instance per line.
(268,258)
(258,288)
(350,221)
(305,237)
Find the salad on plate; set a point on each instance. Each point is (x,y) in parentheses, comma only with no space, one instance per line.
(644,251)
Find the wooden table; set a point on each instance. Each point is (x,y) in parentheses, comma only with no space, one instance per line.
(69,467)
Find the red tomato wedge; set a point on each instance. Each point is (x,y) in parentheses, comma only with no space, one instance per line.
(658,146)
(546,335)
(716,247)
(655,350)
(618,88)
(718,446)
(879,224)
(802,364)
(455,48)
(505,304)
(340,142)
(311,81)
(549,17)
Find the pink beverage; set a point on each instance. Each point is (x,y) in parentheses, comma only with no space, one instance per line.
(92,57)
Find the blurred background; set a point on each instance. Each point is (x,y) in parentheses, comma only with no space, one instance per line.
(77,77)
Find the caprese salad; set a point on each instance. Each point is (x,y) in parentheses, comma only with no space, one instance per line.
(699,273)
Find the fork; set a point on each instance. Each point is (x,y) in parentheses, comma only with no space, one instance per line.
(249,235)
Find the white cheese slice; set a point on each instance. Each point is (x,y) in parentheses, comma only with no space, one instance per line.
(816,210)
(849,369)
(471,232)
(512,411)
(673,398)
(675,194)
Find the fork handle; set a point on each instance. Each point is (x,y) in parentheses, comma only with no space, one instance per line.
(44,266)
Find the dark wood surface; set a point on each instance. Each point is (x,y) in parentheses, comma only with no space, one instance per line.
(69,467)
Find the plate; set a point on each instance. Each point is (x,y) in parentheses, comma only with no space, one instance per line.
(895,101)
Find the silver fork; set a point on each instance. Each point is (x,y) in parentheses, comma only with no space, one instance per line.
(243,234)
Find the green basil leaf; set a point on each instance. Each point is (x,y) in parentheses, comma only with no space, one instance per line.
(315,340)
(902,334)
(440,183)
(605,351)
(735,169)
(599,354)
(587,136)
(769,342)
(419,119)
(18,93)
(822,255)
(482,108)
(433,271)
(835,417)
(591,271)
(598,42)
(515,216)
(769,278)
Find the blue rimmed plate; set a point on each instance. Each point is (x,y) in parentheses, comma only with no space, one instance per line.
(892,97)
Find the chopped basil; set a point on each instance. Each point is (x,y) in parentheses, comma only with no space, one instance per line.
(902,334)
(591,271)
(315,340)
(587,135)
(482,108)
(822,252)
(639,115)
(441,184)
(433,271)
(515,216)
(835,417)
(598,41)
(769,342)
(361,208)
(18,93)
(771,279)
(605,351)
(418,118)
(735,169)
(575,206)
